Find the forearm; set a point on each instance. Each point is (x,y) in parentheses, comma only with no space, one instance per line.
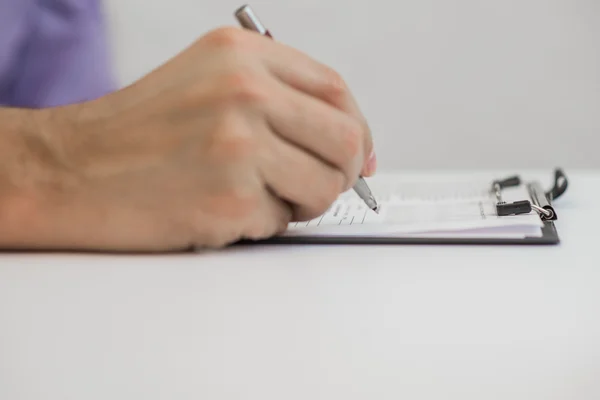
(32,180)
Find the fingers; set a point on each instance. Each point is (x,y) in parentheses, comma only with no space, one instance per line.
(308,184)
(320,81)
(272,219)
(299,72)
(318,128)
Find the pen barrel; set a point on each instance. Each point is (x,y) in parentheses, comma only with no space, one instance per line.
(248,20)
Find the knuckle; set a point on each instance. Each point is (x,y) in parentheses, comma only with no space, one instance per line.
(244,87)
(335,87)
(233,142)
(239,145)
(226,37)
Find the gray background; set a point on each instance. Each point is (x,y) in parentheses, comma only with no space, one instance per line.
(457,84)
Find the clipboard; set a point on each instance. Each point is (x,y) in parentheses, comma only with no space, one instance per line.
(539,201)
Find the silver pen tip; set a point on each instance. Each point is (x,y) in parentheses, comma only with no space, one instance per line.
(376,209)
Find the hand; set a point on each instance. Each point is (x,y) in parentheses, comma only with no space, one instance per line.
(232,139)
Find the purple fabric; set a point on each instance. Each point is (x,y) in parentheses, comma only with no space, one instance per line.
(52,52)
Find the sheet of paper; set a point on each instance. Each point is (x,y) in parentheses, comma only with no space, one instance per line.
(428,209)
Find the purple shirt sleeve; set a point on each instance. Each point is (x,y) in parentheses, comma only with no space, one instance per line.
(62,55)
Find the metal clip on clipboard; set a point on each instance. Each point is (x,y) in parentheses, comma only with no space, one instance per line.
(541,202)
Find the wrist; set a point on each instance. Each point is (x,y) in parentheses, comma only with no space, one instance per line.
(35,180)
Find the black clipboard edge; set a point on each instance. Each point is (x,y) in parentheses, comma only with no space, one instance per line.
(549,237)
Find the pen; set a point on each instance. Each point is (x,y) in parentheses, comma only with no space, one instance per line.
(248,20)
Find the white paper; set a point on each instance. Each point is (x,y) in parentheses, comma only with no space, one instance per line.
(413,209)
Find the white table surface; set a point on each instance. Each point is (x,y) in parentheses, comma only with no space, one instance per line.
(329,322)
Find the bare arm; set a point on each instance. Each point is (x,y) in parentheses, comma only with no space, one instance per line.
(31,178)
(232,139)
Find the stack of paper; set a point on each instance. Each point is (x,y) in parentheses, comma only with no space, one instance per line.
(431,209)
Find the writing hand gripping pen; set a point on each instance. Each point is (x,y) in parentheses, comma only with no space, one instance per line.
(248,20)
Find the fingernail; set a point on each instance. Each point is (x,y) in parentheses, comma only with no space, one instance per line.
(372,163)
